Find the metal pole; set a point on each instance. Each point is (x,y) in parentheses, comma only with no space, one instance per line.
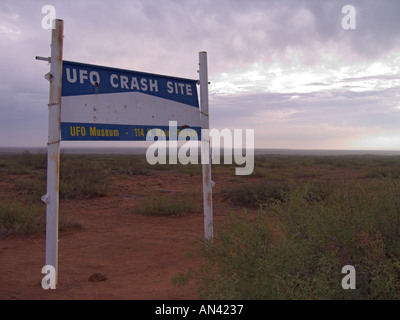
(51,198)
(205,148)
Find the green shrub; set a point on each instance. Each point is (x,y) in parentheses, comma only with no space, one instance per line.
(256,194)
(191,169)
(78,180)
(21,218)
(308,173)
(296,248)
(128,165)
(33,160)
(317,192)
(262,194)
(33,188)
(233,262)
(82,180)
(156,204)
(384,172)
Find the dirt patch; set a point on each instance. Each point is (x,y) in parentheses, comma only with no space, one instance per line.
(138,255)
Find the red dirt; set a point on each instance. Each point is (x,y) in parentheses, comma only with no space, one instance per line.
(138,254)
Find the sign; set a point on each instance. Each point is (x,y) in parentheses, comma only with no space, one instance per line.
(88,102)
(108,104)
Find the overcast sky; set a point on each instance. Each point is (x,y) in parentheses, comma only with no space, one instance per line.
(287,69)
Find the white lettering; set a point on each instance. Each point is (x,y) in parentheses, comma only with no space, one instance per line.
(215,136)
(73,78)
(174,87)
(49,280)
(92,75)
(181,86)
(169,86)
(349,281)
(188,89)
(190,146)
(48,21)
(349,21)
(158,147)
(124,82)
(112,78)
(134,84)
(248,159)
(143,83)
(82,75)
(183,311)
(173,143)
(153,85)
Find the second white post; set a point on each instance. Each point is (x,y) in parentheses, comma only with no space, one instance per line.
(205,148)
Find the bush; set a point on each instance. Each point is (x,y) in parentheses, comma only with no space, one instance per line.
(32,188)
(22,218)
(256,194)
(81,180)
(34,160)
(19,217)
(385,172)
(156,204)
(296,249)
(261,194)
(25,162)
(78,180)
(128,165)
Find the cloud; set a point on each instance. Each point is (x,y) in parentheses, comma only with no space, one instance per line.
(284,66)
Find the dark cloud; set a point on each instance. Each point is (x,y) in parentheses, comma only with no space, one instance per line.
(165,36)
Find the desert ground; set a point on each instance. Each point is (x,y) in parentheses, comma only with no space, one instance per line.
(137,254)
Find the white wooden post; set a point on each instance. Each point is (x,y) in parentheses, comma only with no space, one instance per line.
(51,198)
(205,148)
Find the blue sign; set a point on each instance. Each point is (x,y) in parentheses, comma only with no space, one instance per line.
(102,103)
